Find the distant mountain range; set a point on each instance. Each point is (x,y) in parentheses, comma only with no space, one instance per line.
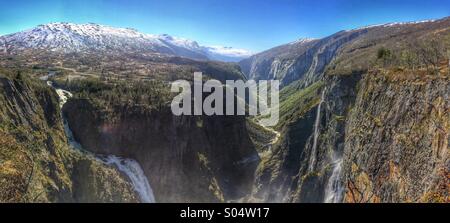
(363,117)
(307,60)
(69,38)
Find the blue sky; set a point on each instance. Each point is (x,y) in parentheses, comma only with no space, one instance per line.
(250,24)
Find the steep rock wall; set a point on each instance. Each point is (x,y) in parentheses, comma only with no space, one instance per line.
(36,164)
(186,158)
(396,149)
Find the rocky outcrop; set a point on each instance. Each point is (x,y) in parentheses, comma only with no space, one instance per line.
(389,132)
(366,140)
(186,158)
(339,94)
(307,60)
(396,149)
(364,117)
(276,174)
(36,163)
(279,62)
(303,61)
(290,175)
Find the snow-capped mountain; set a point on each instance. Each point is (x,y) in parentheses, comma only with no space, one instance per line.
(228,54)
(69,37)
(302,41)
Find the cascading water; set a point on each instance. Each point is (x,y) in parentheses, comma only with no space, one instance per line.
(72,142)
(129,167)
(134,171)
(63,95)
(312,160)
(334,189)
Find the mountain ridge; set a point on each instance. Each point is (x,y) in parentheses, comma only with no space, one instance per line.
(71,37)
(306,60)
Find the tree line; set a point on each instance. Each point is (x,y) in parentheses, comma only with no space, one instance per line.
(430,55)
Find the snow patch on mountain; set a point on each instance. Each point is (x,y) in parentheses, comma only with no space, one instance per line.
(393,24)
(302,41)
(227,53)
(178,41)
(70,37)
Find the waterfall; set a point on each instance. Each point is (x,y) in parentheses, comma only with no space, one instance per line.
(334,189)
(312,160)
(133,170)
(72,142)
(129,167)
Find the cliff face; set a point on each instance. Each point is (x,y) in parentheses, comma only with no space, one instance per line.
(381,137)
(307,61)
(396,148)
(36,164)
(304,61)
(186,158)
(364,117)
(300,166)
(357,126)
(338,95)
(274,63)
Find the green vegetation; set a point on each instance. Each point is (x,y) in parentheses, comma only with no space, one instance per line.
(420,49)
(259,135)
(295,103)
(111,67)
(428,55)
(213,186)
(36,164)
(385,55)
(31,142)
(150,94)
